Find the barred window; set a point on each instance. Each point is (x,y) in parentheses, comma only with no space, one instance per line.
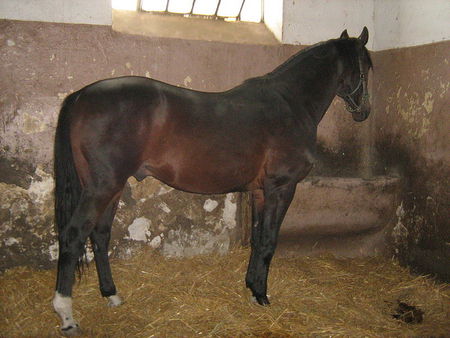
(227,10)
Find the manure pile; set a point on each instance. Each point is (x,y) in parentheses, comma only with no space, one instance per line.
(206,296)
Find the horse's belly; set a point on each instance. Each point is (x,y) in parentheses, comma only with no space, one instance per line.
(206,159)
(206,179)
(202,174)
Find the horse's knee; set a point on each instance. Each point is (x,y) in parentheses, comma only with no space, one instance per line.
(100,239)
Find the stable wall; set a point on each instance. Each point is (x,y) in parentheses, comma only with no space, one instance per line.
(43,62)
(405,136)
(392,24)
(96,12)
(404,164)
(411,139)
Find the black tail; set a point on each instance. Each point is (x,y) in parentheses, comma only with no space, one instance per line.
(67,183)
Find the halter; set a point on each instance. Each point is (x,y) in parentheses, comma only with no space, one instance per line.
(365,96)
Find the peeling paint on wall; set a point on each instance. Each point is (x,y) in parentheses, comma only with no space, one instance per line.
(181,243)
(11,241)
(187,81)
(428,102)
(400,232)
(414,108)
(412,141)
(139,230)
(165,219)
(229,211)
(53,251)
(164,207)
(210,205)
(155,243)
(41,187)
(26,219)
(33,124)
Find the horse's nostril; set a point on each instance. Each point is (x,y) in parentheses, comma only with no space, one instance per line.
(360,116)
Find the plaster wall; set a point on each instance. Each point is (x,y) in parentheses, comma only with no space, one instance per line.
(307,21)
(411,137)
(392,24)
(406,138)
(273,17)
(407,134)
(43,62)
(405,23)
(81,11)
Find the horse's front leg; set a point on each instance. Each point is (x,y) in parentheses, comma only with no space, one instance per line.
(257,214)
(268,218)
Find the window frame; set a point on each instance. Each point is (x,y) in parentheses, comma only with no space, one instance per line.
(214,16)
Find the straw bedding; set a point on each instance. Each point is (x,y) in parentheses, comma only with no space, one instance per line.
(206,296)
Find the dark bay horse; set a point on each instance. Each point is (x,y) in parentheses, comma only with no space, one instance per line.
(259,136)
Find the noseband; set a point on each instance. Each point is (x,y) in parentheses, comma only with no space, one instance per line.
(348,97)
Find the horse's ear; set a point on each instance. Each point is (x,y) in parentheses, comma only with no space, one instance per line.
(364,37)
(344,35)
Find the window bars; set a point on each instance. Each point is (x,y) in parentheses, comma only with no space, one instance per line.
(229,10)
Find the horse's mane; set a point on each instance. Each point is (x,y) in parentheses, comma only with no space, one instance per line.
(316,50)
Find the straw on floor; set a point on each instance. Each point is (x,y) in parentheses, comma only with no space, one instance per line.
(206,296)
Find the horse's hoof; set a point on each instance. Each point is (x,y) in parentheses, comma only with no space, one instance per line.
(261,300)
(71,331)
(114,301)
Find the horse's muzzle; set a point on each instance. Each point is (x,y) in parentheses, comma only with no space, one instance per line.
(360,115)
(361,112)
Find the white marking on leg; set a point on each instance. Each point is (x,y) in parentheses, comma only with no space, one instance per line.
(114,300)
(63,307)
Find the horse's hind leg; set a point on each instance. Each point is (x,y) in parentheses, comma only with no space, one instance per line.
(100,237)
(72,241)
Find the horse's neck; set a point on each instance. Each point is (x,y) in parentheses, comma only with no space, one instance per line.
(312,85)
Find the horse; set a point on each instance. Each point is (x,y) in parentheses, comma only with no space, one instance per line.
(259,136)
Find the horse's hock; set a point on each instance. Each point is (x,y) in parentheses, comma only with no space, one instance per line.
(345,216)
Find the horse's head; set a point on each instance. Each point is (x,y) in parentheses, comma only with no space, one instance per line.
(353,83)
